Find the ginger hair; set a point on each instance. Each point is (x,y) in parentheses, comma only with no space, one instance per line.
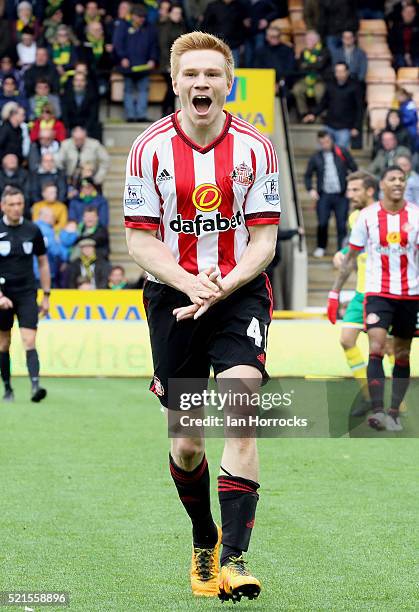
(200,41)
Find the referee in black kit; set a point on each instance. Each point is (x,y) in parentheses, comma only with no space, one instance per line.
(20,240)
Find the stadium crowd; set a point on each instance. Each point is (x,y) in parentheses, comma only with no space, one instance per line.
(56,59)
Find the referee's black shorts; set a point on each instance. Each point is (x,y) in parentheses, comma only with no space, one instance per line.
(233,332)
(25,307)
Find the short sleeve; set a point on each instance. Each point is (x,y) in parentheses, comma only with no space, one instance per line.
(263,205)
(141,200)
(39,247)
(359,234)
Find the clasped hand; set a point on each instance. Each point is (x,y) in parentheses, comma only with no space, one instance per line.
(206,289)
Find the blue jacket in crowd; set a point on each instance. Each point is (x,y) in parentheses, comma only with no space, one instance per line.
(409,119)
(137,45)
(77,206)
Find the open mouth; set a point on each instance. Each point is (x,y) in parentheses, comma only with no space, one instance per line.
(202,104)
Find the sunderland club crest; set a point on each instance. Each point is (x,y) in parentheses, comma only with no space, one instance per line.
(243,175)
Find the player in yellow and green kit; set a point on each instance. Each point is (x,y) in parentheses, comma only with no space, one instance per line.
(361,188)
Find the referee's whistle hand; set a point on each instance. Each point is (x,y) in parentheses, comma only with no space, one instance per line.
(5,303)
(44,307)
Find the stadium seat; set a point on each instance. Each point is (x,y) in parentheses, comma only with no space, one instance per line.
(377,117)
(379,62)
(372,26)
(296,10)
(299,30)
(156,93)
(407,75)
(284,25)
(381,74)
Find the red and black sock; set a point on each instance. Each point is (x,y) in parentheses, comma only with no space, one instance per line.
(238,500)
(375,374)
(401,379)
(194,493)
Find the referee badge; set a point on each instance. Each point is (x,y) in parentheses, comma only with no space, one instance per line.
(5,247)
(27,247)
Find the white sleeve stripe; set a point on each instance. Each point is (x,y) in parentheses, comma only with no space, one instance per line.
(240,129)
(135,155)
(263,139)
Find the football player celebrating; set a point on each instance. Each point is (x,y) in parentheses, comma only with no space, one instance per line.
(389,231)
(201,211)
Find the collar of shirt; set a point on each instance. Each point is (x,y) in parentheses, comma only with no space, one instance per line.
(5,221)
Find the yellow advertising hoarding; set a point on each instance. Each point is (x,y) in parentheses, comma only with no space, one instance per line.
(252,98)
(98,305)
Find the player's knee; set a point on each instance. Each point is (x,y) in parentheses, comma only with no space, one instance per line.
(402,353)
(187,449)
(347,344)
(5,340)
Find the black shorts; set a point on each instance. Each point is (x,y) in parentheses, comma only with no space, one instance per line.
(400,317)
(232,332)
(25,307)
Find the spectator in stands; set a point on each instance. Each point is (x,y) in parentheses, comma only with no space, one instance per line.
(277,55)
(194,13)
(50,201)
(408,116)
(89,266)
(403,38)
(371,9)
(25,20)
(52,23)
(79,150)
(387,154)
(5,37)
(261,14)
(7,68)
(117,279)
(311,14)
(55,250)
(96,52)
(411,193)
(90,227)
(350,54)
(80,106)
(122,23)
(47,120)
(45,143)
(90,14)
(343,102)
(11,134)
(89,196)
(393,124)
(15,176)
(42,69)
(312,69)
(43,96)
(47,172)
(168,30)
(64,53)
(331,165)
(336,17)
(229,20)
(10,93)
(138,54)
(26,49)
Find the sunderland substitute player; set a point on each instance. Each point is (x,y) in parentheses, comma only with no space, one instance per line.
(389,231)
(201,211)
(20,240)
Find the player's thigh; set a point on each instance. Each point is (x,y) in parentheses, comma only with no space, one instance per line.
(405,319)
(379,312)
(178,348)
(240,327)
(28,338)
(6,324)
(26,308)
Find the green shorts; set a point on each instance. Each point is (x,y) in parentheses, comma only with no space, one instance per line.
(354,315)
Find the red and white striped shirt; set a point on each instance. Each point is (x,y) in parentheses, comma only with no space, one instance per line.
(202,199)
(391,240)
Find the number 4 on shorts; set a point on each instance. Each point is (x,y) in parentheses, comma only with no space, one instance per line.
(254,331)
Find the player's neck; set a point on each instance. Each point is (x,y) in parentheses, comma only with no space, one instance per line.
(202,136)
(391,205)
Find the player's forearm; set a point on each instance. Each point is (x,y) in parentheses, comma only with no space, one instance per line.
(155,258)
(345,270)
(45,276)
(257,256)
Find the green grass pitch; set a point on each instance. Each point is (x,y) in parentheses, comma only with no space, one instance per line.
(87,506)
